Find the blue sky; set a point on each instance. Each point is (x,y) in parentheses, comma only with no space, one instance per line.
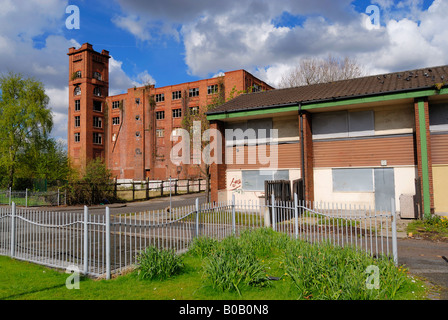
(173,41)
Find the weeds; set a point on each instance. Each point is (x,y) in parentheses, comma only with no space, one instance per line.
(336,273)
(435,227)
(159,264)
(258,257)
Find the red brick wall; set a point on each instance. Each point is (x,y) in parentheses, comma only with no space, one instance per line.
(308,173)
(144,155)
(418,148)
(218,171)
(86,60)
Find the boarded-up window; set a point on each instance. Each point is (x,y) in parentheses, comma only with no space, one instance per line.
(343,124)
(330,125)
(361,123)
(250,132)
(353,180)
(253,180)
(438,117)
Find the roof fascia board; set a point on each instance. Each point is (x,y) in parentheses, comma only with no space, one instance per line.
(241,114)
(378,98)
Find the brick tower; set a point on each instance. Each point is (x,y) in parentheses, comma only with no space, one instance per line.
(87,113)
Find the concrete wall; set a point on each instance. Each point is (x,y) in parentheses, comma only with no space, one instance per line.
(234,179)
(323,184)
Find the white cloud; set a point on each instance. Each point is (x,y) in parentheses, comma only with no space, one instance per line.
(30,18)
(235,34)
(59,107)
(119,81)
(22,21)
(135,25)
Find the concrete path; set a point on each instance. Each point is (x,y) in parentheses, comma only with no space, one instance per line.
(137,206)
(426,259)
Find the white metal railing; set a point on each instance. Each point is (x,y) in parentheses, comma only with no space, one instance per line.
(103,244)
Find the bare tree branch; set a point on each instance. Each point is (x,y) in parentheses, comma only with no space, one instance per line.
(314,70)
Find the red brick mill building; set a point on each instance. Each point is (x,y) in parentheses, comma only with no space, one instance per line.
(131,131)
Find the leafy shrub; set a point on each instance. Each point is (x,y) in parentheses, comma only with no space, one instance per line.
(437,222)
(158,264)
(93,185)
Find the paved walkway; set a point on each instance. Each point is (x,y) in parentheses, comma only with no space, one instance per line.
(425,259)
(137,206)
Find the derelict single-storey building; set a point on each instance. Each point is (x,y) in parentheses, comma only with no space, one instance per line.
(361,141)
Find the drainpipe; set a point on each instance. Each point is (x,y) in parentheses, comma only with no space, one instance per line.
(302,151)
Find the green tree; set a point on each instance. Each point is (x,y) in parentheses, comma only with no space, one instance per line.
(188,120)
(25,119)
(45,161)
(92,186)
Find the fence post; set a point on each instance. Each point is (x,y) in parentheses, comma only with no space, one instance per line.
(10,193)
(233,214)
(197,217)
(394,232)
(86,240)
(26,198)
(273,211)
(58,197)
(133,191)
(161,189)
(170,195)
(107,243)
(296,215)
(13,229)
(147,188)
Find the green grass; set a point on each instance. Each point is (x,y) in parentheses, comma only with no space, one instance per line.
(434,228)
(261,265)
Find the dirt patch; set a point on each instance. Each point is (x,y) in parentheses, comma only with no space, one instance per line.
(428,235)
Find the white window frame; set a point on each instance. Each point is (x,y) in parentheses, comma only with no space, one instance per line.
(160,115)
(212,89)
(97,138)
(77,105)
(97,92)
(176,95)
(193,92)
(177,113)
(97,122)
